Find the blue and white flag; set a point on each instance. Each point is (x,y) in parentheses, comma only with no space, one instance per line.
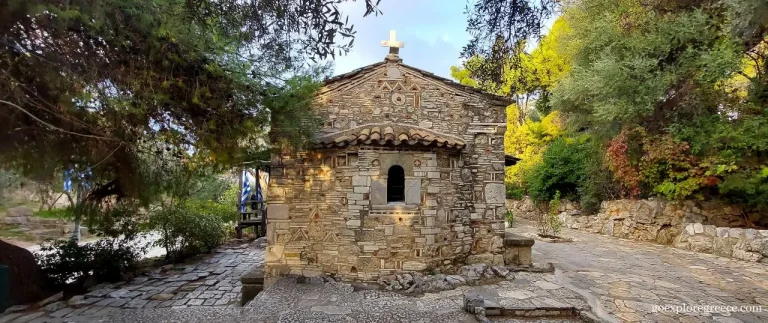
(259,196)
(83,178)
(246,190)
(68,180)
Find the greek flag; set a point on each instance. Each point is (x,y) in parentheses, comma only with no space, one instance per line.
(259,196)
(246,190)
(81,177)
(84,177)
(68,180)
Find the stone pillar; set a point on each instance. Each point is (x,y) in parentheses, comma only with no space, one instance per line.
(517,250)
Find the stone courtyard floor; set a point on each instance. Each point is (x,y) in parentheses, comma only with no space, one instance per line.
(626,279)
(621,280)
(211,281)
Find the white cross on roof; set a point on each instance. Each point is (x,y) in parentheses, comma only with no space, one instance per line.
(394,47)
(392,43)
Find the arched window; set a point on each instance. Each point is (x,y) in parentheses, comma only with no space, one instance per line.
(396,184)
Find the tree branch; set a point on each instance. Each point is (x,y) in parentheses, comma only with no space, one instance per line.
(52,127)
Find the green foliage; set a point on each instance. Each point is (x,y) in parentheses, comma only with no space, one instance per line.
(119,219)
(528,141)
(549,223)
(748,188)
(740,139)
(225,212)
(524,76)
(106,260)
(672,94)
(463,76)
(128,87)
(597,184)
(629,58)
(554,210)
(65,214)
(562,170)
(188,228)
(510,218)
(498,27)
(210,187)
(571,167)
(513,191)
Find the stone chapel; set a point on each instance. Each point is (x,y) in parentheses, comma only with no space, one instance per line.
(406,174)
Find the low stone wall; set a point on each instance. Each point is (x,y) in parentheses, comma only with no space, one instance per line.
(744,244)
(39,229)
(709,227)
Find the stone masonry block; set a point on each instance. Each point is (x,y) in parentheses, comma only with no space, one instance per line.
(277,211)
(358,180)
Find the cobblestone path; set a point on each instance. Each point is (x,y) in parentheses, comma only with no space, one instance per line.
(628,278)
(212,281)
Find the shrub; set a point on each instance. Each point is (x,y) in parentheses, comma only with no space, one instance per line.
(597,184)
(561,170)
(510,218)
(122,219)
(554,211)
(227,212)
(514,192)
(188,229)
(112,258)
(549,223)
(64,261)
(573,167)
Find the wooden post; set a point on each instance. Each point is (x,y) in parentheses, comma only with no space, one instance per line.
(240,196)
(238,228)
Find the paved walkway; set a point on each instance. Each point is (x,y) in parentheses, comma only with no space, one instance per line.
(623,281)
(318,301)
(213,281)
(628,278)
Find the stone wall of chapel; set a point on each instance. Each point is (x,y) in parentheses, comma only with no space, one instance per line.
(392,93)
(324,212)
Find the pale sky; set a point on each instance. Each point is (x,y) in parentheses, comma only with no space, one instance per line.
(434,31)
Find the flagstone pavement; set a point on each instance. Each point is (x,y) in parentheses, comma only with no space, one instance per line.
(622,280)
(625,279)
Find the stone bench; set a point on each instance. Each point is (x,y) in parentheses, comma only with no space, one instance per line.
(517,250)
(253,284)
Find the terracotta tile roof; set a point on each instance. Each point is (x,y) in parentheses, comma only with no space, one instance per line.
(389,135)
